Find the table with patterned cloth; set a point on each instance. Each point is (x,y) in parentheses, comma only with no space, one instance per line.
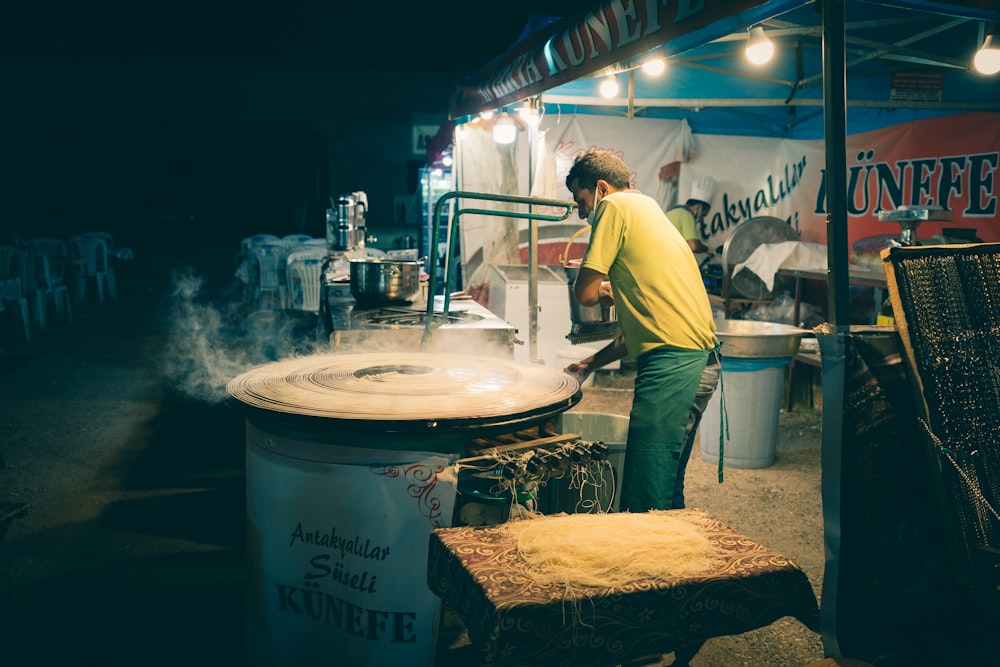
(512,619)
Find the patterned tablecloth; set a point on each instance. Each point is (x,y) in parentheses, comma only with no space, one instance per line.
(514,620)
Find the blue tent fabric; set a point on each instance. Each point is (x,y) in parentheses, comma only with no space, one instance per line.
(710,84)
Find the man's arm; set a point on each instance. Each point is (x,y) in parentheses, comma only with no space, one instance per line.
(587,288)
(697,246)
(613,351)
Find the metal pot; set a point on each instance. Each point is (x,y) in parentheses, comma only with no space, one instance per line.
(376,281)
(585,315)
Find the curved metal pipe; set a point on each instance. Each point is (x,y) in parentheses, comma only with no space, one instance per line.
(453,226)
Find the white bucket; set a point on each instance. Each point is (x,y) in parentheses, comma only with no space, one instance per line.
(601,494)
(337,552)
(752,389)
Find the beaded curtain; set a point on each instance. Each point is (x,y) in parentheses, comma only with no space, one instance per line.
(947,306)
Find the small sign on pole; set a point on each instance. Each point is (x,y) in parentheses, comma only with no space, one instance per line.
(917,86)
(422,135)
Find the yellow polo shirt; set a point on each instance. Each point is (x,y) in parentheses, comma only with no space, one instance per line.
(660,297)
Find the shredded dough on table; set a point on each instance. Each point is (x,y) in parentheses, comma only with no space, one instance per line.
(610,549)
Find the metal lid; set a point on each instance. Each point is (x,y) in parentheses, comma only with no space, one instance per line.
(742,242)
(408,391)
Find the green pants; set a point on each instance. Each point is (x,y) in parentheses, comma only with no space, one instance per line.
(666,382)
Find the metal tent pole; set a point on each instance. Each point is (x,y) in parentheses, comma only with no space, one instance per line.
(832,345)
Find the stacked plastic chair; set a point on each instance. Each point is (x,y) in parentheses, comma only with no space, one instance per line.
(45,278)
(267,263)
(303,277)
(13,261)
(93,249)
(251,241)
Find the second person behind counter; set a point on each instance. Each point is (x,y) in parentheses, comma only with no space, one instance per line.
(688,216)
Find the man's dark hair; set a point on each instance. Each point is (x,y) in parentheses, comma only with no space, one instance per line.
(599,165)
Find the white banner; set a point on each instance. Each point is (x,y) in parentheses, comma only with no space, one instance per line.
(756,177)
(537,164)
(949,162)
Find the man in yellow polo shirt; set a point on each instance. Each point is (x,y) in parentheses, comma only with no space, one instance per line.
(639,261)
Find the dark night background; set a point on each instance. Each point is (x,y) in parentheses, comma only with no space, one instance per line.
(157,121)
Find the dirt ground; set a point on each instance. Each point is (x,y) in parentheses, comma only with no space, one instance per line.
(132,548)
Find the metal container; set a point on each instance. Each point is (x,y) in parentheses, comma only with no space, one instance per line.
(349,468)
(753,339)
(376,281)
(345,223)
(585,314)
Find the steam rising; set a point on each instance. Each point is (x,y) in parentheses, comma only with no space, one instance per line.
(212,339)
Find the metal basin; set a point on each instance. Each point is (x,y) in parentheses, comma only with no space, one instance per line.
(585,314)
(381,282)
(758,340)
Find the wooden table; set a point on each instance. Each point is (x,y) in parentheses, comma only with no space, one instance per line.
(513,619)
(856,276)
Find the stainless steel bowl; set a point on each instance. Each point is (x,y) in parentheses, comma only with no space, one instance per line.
(377,282)
(758,340)
(585,314)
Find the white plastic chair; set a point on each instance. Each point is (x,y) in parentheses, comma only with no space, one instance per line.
(12,264)
(45,281)
(109,239)
(303,273)
(267,274)
(315,241)
(255,240)
(296,238)
(92,248)
(245,257)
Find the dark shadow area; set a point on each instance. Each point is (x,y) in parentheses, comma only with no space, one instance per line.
(163,610)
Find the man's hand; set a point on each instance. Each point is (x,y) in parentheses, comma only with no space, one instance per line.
(580,370)
(605,295)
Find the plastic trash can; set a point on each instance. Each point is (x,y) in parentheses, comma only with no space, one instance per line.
(752,389)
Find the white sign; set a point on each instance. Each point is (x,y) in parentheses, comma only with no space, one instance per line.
(422,135)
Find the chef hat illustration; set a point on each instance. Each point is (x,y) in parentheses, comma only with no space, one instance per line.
(703,189)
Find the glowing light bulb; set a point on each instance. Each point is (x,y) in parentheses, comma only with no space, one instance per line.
(609,87)
(759,47)
(987,60)
(654,66)
(504,130)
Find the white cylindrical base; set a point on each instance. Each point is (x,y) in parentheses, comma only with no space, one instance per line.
(337,552)
(752,390)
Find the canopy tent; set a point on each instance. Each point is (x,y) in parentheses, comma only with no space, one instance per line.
(840,67)
(904,60)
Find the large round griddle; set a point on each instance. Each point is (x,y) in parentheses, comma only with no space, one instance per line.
(413,392)
(742,243)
